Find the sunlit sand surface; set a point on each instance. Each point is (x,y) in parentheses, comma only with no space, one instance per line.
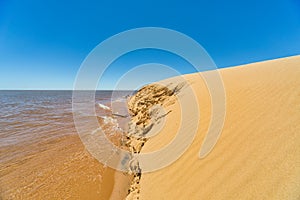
(258,153)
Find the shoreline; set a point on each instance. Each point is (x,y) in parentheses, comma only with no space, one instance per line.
(256,156)
(70,172)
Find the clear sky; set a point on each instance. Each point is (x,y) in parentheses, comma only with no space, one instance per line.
(43,43)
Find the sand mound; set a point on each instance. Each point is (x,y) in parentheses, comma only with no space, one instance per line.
(258,153)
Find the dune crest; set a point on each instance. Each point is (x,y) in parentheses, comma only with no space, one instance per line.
(258,153)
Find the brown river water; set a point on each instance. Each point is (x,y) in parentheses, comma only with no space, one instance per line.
(41,155)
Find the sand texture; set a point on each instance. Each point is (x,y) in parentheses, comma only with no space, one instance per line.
(257,155)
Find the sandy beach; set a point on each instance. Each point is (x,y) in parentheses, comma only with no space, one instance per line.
(258,153)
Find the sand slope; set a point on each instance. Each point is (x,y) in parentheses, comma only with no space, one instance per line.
(258,153)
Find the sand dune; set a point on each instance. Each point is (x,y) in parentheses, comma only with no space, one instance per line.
(258,153)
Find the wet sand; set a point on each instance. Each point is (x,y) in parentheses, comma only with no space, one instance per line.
(62,170)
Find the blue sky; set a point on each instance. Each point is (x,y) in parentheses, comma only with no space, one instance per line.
(43,43)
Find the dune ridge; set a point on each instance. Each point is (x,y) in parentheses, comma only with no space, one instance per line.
(258,153)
